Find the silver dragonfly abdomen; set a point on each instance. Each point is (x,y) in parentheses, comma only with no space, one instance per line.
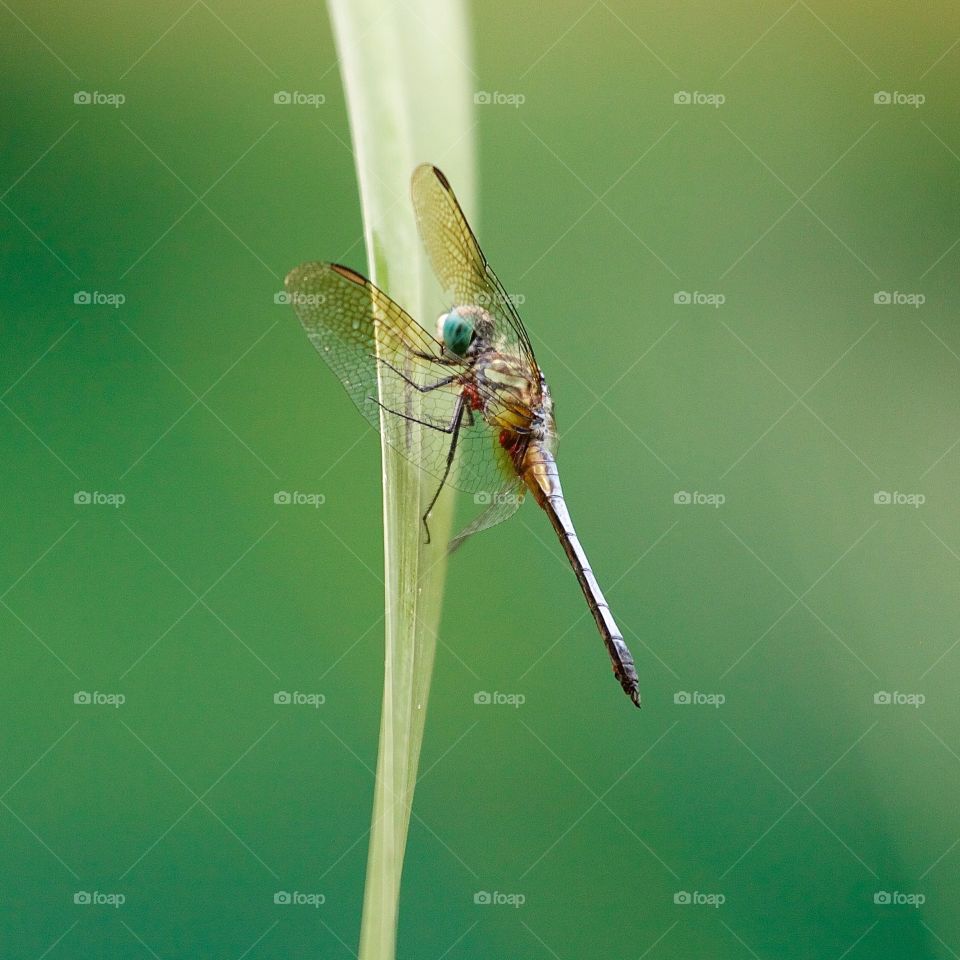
(539,472)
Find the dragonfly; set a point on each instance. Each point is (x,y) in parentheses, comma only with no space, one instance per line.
(474,388)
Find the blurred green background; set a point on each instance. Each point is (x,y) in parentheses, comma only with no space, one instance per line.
(783,814)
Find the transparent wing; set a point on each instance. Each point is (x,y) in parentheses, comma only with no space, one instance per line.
(459,263)
(501,505)
(345,316)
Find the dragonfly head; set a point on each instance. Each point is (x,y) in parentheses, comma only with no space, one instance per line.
(461,328)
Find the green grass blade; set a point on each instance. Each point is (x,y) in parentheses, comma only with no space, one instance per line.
(409,97)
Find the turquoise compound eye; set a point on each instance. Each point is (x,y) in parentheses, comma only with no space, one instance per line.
(457,333)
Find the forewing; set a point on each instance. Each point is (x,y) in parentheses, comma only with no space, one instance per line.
(459,263)
(357,328)
(343,313)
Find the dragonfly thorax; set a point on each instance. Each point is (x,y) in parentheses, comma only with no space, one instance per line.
(516,404)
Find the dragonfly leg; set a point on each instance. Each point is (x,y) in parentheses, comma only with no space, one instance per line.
(449,428)
(443,361)
(451,453)
(426,388)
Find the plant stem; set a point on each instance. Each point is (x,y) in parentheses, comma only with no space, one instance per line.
(408,89)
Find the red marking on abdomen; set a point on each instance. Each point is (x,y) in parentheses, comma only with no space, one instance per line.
(514,444)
